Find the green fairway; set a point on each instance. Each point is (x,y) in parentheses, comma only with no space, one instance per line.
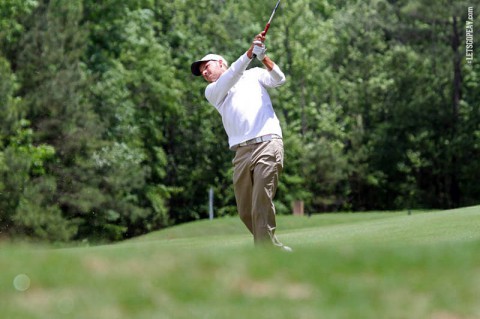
(363,265)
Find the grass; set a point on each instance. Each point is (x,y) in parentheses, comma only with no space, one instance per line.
(369,265)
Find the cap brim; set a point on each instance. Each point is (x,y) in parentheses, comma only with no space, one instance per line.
(195,67)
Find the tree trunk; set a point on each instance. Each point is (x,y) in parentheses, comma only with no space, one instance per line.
(457,95)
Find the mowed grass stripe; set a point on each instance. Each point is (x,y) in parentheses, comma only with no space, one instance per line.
(327,229)
(398,228)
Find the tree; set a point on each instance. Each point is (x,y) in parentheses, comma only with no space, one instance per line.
(54,86)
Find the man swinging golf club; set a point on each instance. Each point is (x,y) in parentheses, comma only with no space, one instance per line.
(254,133)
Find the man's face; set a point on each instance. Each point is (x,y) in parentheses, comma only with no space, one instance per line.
(211,70)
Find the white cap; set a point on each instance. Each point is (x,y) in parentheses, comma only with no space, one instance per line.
(195,67)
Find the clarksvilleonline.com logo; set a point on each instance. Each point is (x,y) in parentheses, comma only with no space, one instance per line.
(469,36)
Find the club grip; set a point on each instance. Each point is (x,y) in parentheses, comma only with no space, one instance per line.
(264,34)
(266,29)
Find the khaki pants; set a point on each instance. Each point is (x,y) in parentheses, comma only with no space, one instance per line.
(256,171)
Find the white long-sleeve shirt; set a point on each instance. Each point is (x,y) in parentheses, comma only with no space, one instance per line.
(241,98)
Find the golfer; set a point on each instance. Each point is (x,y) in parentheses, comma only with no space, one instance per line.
(254,133)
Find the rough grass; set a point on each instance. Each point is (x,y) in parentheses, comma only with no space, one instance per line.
(369,265)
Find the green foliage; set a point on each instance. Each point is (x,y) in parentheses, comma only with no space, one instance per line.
(9,104)
(21,144)
(25,189)
(12,14)
(36,218)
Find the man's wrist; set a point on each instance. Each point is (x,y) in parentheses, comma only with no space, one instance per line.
(250,53)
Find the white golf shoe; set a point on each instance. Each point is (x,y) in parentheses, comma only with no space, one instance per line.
(286,248)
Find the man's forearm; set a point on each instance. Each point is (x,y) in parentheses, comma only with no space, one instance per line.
(274,77)
(269,64)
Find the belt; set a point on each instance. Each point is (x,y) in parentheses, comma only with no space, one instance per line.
(256,140)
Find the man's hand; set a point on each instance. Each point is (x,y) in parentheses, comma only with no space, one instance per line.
(259,50)
(259,37)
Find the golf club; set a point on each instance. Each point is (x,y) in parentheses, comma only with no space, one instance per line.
(267,26)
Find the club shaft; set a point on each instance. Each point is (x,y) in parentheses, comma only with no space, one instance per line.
(274,10)
(268,23)
(271,17)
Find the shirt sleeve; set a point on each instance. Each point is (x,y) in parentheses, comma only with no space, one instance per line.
(273,78)
(217,91)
